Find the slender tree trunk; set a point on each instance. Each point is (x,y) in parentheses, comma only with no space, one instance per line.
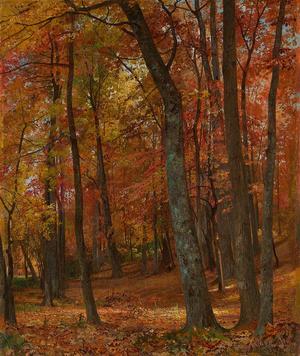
(9,296)
(3,286)
(88,297)
(244,262)
(198,307)
(114,254)
(278,201)
(214,41)
(25,269)
(96,252)
(50,242)
(252,214)
(130,244)
(200,210)
(61,238)
(225,232)
(266,304)
(10,314)
(155,234)
(28,262)
(207,231)
(144,251)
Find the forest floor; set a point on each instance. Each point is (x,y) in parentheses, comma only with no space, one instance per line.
(141,315)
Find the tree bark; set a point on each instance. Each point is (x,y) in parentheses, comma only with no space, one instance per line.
(266,304)
(198,307)
(244,262)
(88,297)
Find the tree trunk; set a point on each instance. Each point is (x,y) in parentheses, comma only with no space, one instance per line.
(252,213)
(3,285)
(61,241)
(130,244)
(9,296)
(198,307)
(144,251)
(50,242)
(28,262)
(214,41)
(207,231)
(200,210)
(244,262)
(88,297)
(155,235)
(96,252)
(114,254)
(61,244)
(266,304)
(225,232)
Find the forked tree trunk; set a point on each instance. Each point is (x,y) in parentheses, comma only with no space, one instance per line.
(266,304)
(198,307)
(28,262)
(88,297)
(244,261)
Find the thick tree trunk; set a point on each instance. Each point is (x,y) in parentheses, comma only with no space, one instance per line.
(244,262)
(198,307)
(88,297)
(266,304)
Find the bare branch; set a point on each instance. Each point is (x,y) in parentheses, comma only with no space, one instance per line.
(100,5)
(33,63)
